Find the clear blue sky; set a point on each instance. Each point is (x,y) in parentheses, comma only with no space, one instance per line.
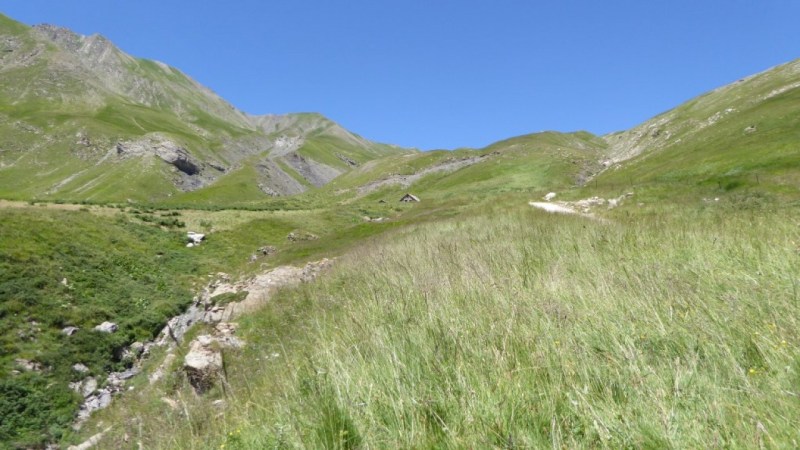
(446,73)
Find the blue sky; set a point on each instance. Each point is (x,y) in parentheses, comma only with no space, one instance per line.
(444,73)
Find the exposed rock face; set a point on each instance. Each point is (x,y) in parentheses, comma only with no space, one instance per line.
(86,387)
(260,288)
(203,364)
(274,181)
(314,172)
(171,153)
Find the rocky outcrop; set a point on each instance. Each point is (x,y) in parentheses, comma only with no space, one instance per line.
(96,398)
(349,161)
(274,181)
(203,364)
(80,368)
(162,147)
(300,236)
(194,239)
(314,172)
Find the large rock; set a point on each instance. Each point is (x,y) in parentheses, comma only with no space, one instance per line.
(31,366)
(301,235)
(117,379)
(203,364)
(107,327)
(85,387)
(80,368)
(195,238)
(69,331)
(135,350)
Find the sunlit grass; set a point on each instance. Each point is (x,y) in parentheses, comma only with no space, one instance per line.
(520,329)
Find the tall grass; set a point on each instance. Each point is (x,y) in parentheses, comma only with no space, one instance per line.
(523,330)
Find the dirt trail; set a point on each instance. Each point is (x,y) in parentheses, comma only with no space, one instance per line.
(584,207)
(260,288)
(553,207)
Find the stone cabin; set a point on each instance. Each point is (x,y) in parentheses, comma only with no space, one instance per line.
(409,198)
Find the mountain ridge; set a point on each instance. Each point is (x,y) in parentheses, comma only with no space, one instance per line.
(70,102)
(86,120)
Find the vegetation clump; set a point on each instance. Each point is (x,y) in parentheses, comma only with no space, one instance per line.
(58,270)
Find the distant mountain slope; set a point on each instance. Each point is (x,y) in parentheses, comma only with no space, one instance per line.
(82,120)
(531,163)
(745,132)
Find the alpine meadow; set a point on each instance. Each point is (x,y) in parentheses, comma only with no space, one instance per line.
(178,274)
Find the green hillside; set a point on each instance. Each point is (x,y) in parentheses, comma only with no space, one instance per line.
(658,311)
(531,163)
(81,120)
(744,135)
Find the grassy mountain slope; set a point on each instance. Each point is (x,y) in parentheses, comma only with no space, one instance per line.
(530,163)
(76,110)
(743,134)
(62,268)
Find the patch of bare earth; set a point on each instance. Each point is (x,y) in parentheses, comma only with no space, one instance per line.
(584,207)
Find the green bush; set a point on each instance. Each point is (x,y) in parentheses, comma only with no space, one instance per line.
(34,411)
(62,268)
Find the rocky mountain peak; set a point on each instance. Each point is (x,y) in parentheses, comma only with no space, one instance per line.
(61,36)
(115,112)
